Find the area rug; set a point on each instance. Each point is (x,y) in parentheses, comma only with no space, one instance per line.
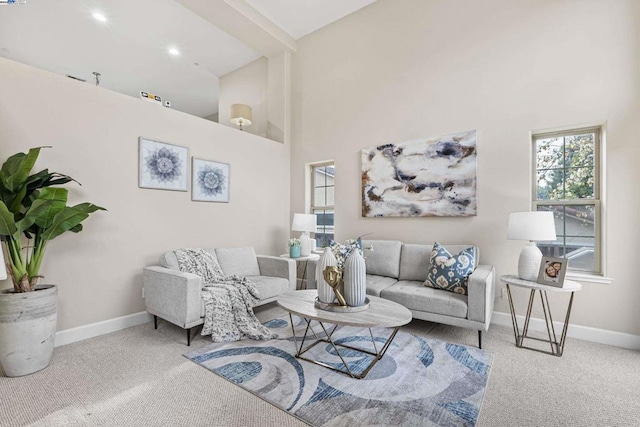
(418,382)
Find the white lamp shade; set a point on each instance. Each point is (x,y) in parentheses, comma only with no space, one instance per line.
(240,115)
(304,222)
(532,226)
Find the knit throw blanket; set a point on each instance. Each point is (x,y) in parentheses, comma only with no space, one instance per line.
(228,301)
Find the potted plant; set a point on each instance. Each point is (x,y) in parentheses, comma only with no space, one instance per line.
(294,248)
(33,211)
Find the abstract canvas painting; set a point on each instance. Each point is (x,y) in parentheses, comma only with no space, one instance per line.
(426,177)
(163,166)
(210,182)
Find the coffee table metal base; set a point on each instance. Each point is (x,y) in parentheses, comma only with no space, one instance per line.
(301,349)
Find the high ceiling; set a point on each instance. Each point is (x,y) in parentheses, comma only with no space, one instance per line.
(131,49)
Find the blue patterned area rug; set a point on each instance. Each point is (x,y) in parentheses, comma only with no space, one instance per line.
(418,382)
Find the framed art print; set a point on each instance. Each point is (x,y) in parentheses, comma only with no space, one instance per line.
(210,181)
(163,166)
(552,271)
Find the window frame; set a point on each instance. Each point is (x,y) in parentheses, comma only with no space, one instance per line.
(596,201)
(312,187)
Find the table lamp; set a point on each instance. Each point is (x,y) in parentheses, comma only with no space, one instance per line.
(534,227)
(305,223)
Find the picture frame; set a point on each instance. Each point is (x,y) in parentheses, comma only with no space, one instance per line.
(210,181)
(552,271)
(162,166)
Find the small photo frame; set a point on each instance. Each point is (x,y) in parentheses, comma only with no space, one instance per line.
(210,181)
(552,271)
(163,166)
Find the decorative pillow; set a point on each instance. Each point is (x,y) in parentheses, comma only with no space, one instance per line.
(342,252)
(450,272)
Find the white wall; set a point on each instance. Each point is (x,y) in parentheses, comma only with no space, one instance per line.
(264,85)
(399,70)
(94,133)
(247,85)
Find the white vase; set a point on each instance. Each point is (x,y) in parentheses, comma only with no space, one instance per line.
(355,279)
(325,292)
(27,329)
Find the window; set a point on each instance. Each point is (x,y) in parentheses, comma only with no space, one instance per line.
(322,201)
(567,183)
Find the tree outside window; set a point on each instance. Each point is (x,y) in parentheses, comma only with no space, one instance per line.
(567,184)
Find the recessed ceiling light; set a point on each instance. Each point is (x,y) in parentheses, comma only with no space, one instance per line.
(174,51)
(100,17)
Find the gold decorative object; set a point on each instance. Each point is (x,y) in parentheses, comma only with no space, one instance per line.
(333,276)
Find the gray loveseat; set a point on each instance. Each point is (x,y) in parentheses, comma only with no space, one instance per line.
(396,271)
(175,296)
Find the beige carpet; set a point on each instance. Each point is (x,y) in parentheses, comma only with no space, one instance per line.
(138,377)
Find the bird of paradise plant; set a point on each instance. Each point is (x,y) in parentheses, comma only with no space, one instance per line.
(34,211)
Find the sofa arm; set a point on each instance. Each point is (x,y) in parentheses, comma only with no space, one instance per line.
(173,295)
(482,289)
(274,266)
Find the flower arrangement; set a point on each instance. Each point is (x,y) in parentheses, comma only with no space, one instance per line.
(294,242)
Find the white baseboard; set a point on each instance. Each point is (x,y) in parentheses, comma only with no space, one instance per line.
(100,328)
(586,333)
(602,336)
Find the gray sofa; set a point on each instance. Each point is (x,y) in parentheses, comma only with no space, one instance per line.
(396,271)
(175,296)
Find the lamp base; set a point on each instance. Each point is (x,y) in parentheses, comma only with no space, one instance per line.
(305,244)
(529,262)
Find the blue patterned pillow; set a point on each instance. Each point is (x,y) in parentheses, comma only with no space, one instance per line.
(450,272)
(342,252)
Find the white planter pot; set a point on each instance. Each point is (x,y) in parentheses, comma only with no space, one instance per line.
(27,329)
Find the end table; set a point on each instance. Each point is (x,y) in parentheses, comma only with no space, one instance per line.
(306,260)
(568,286)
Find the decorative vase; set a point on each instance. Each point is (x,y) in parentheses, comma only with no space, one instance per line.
(27,329)
(325,292)
(355,279)
(294,251)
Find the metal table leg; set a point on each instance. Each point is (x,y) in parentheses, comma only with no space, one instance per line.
(556,347)
(301,349)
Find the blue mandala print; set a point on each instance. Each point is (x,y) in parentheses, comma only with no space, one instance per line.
(210,180)
(164,165)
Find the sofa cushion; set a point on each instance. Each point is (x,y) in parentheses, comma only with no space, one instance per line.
(450,272)
(384,258)
(169,260)
(415,296)
(414,263)
(238,261)
(269,287)
(376,284)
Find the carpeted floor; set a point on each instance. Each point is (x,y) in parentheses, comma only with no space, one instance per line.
(138,377)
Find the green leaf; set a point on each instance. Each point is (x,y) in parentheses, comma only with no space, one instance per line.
(16,169)
(76,229)
(88,207)
(58,194)
(7,223)
(16,199)
(68,219)
(43,212)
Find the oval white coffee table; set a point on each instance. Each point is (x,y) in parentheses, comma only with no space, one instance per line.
(381,312)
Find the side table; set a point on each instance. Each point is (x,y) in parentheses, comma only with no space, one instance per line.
(568,286)
(306,260)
